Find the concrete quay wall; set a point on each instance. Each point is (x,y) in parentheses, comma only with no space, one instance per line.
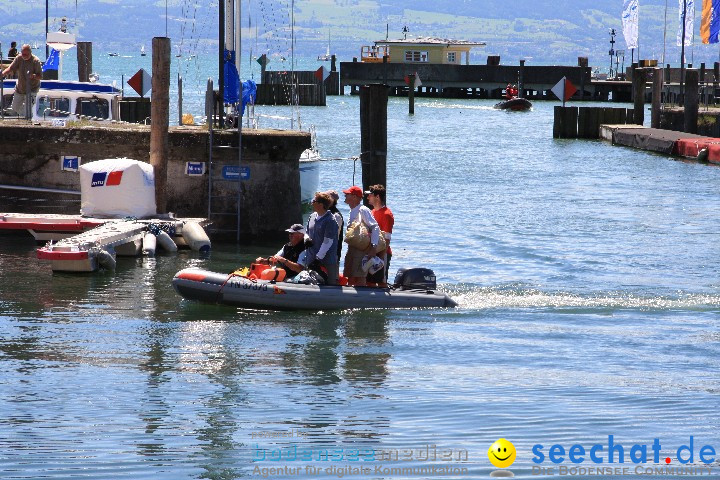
(30,156)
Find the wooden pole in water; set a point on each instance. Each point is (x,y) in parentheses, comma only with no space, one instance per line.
(690,102)
(657,89)
(521,80)
(160,118)
(411,94)
(84,60)
(373,134)
(638,85)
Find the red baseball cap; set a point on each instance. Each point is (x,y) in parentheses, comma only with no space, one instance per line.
(354,190)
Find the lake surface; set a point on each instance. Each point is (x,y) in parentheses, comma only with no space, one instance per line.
(587,277)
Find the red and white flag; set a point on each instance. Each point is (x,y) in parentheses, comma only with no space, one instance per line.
(564,89)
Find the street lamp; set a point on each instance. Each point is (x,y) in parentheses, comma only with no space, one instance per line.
(612,50)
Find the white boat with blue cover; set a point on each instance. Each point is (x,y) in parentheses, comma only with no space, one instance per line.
(411,290)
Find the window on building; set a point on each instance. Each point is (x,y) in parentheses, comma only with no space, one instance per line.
(452,57)
(417,56)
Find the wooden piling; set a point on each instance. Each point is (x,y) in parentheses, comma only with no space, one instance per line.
(657,89)
(160,118)
(373,134)
(565,124)
(411,94)
(639,78)
(691,101)
(84,61)
(521,80)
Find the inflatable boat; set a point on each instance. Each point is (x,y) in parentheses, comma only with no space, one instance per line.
(517,104)
(411,290)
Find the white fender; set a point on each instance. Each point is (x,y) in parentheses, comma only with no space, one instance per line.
(166,242)
(149,244)
(195,237)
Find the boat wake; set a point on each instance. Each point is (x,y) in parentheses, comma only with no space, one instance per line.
(473,297)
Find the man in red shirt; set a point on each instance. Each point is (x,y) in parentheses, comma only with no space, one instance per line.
(384,217)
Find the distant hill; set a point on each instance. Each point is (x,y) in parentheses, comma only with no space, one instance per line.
(541,31)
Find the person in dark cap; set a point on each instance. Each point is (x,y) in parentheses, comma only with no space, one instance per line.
(287,257)
(352,268)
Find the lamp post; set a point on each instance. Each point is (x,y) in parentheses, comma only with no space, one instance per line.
(612,51)
(618,54)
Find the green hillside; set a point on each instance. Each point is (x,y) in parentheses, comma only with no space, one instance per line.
(541,31)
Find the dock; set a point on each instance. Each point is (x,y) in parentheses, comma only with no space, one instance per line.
(669,142)
(79,244)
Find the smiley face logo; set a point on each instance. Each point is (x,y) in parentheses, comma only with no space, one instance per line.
(501,453)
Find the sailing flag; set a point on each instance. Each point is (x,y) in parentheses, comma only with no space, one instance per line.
(710,21)
(630,23)
(564,89)
(322,74)
(417,82)
(689,7)
(263,60)
(53,61)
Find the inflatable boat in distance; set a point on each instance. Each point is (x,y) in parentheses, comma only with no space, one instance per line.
(411,291)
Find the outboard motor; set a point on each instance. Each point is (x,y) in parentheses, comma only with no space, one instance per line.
(415,279)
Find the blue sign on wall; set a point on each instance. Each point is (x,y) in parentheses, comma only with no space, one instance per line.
(70,163)
(233,172)
(194,168)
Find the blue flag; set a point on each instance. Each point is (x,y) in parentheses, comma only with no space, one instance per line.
(53,61)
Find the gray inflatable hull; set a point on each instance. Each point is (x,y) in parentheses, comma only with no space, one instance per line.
(213,287)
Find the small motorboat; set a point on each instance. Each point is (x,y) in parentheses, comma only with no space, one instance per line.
(414,287)
(515,103)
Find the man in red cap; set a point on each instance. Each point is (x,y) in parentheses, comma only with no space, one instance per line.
(352,269)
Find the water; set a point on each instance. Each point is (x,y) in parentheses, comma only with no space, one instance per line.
(589,306)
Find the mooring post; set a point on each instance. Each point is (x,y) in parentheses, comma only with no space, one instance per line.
(657,89)
(411,94)
(179,99)
(639,78)
(690,101)
(160,118)
(521,81)
(385,72)
(373,134)
(84,61)
(333,66)
(701,79)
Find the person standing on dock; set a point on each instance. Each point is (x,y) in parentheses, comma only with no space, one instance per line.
(28,68)
(352,269)
(12,53)
(385,219)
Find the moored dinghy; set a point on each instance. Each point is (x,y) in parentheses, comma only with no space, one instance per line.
(411,291)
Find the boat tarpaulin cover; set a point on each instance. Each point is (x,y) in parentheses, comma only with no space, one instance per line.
(231,95)
(117,188)
(249,93)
